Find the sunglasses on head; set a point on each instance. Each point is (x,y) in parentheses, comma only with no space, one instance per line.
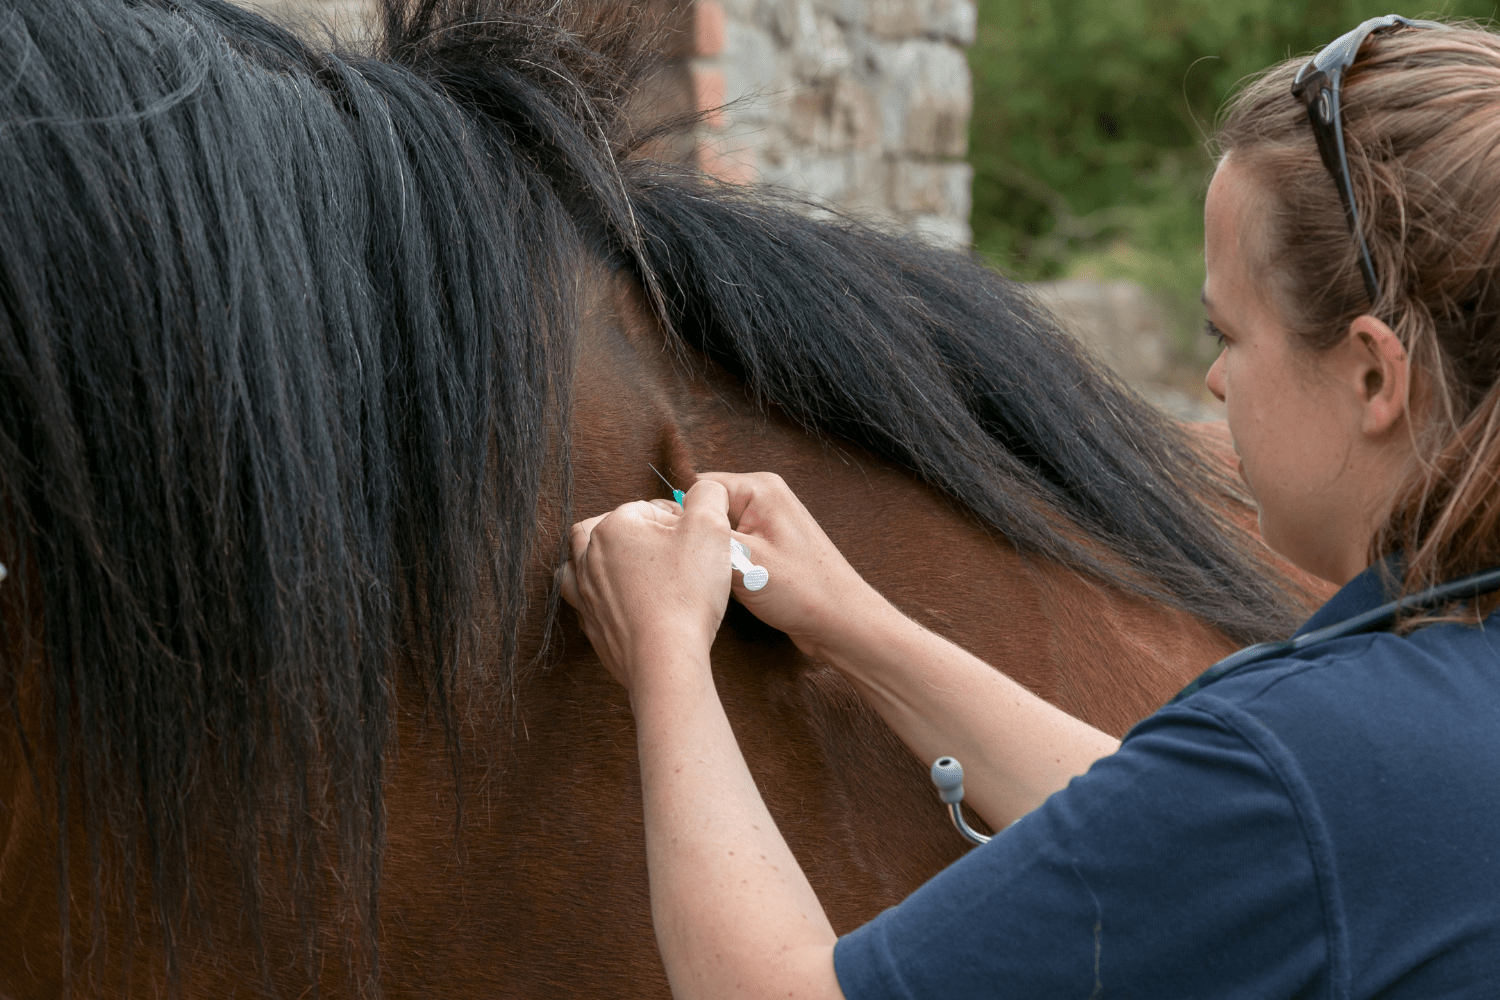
(1318,86)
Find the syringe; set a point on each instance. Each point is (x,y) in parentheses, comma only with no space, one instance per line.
(739,556)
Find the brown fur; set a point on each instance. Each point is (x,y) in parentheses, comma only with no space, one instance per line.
(542,892)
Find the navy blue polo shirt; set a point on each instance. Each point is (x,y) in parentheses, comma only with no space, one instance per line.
(1323,825)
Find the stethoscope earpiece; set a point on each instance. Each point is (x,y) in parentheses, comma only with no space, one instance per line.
(948,775)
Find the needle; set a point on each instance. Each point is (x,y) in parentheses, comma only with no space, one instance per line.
(676,493)
(739,557)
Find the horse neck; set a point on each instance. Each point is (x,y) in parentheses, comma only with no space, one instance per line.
(1106,656)
(542,869)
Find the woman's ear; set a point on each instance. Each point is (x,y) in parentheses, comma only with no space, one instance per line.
(1383,372)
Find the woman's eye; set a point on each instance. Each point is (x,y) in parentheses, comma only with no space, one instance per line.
(1213,331)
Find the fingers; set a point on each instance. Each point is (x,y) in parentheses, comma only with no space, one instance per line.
(743,488)
(582,532)
(659,511)
(579,535)
(703,500)
(567,580)
(706,497)
(737,486)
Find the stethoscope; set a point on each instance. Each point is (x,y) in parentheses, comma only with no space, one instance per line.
(948,774)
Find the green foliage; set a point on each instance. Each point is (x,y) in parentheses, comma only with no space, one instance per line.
(1090,118)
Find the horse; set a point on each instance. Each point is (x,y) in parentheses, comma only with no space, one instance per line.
(307,360)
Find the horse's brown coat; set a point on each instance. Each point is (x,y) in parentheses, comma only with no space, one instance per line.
(543,893)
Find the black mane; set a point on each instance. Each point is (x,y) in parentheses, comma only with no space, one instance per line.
(284,346)
(931,360)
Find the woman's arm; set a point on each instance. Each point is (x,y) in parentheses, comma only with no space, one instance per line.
(1016,748)
(734,914)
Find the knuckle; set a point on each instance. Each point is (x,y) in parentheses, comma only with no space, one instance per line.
(770,480)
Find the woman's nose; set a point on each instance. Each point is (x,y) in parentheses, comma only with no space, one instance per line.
(1214,380)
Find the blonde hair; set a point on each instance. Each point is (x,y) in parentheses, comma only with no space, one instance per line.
(1421,110)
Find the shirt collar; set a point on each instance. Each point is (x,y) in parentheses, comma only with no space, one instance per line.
(1377,585)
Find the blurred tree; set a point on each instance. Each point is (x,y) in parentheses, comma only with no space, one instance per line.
(1090,117)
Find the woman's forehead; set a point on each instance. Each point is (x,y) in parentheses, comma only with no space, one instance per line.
(1235,222)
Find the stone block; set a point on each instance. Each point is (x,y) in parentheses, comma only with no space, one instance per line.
(835,115)
(860,105)
(853,182)
(954,20)
(814,41)
(918,187)
(939,230)
(753,66)
(352,21)
(897,18)
(1118,321)
(826,178)
(849,13)
(868,180)
(925,99)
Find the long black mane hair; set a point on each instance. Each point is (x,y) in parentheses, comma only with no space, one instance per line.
(284,355)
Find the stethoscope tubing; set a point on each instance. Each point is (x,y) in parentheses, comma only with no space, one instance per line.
(1464,588)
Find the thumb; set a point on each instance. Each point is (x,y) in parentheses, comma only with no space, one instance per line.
(706,498)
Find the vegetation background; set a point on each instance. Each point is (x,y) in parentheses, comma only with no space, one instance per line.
(1089,128)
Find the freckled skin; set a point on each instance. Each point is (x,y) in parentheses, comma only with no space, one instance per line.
(1321,472)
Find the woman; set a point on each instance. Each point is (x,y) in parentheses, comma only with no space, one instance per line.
(1316,823)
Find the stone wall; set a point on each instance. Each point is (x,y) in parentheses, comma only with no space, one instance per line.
(352,20)
(861,104)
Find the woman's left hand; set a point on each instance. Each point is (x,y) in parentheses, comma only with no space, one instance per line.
(648,583)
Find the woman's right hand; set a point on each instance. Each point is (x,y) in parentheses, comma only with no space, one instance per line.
(937,697)
(813,594)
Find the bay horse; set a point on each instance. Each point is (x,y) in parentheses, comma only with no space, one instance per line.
(307,359)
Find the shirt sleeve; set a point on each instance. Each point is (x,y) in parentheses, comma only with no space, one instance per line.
(1176,867)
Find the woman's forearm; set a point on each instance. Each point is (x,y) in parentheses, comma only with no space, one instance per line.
(734,914)
(1016,749)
